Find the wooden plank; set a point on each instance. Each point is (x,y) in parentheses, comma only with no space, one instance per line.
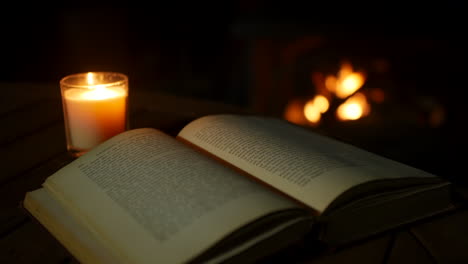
(446,237)
(170,113)
(29,151)
(408,250)
(29,119)
(32,244)
(17,95)
(181,106)
(21,155)
(370,251)
(12,213)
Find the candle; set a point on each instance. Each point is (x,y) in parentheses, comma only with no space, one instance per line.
(95,109)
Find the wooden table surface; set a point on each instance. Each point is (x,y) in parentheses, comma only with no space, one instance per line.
(32,144)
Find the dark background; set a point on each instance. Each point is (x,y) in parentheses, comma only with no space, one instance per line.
(207,52)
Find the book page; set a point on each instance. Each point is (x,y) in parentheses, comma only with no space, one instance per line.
(150,198)
(307,166)
(77,239)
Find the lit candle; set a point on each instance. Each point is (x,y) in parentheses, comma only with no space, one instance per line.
(95,107)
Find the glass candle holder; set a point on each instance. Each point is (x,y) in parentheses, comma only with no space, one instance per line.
(94,107)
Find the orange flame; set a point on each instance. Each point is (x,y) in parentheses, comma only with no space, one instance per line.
(330,83)
(321,102)
(90,78)
(348,81)
(294,112)
(312,112)
(353,108)
(315,107)
(349,84)
(345,84)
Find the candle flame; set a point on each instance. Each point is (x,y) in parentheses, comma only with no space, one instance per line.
(99,92)
(90,78)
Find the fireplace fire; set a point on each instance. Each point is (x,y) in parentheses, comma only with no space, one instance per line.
(340,93)
(397,91)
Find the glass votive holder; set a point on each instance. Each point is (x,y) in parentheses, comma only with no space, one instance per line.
(95,108)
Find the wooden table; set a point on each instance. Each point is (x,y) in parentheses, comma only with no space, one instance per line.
(32,143)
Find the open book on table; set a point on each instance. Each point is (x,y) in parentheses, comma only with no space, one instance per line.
(228,187)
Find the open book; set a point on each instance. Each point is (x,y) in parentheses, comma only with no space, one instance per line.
(228,187)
